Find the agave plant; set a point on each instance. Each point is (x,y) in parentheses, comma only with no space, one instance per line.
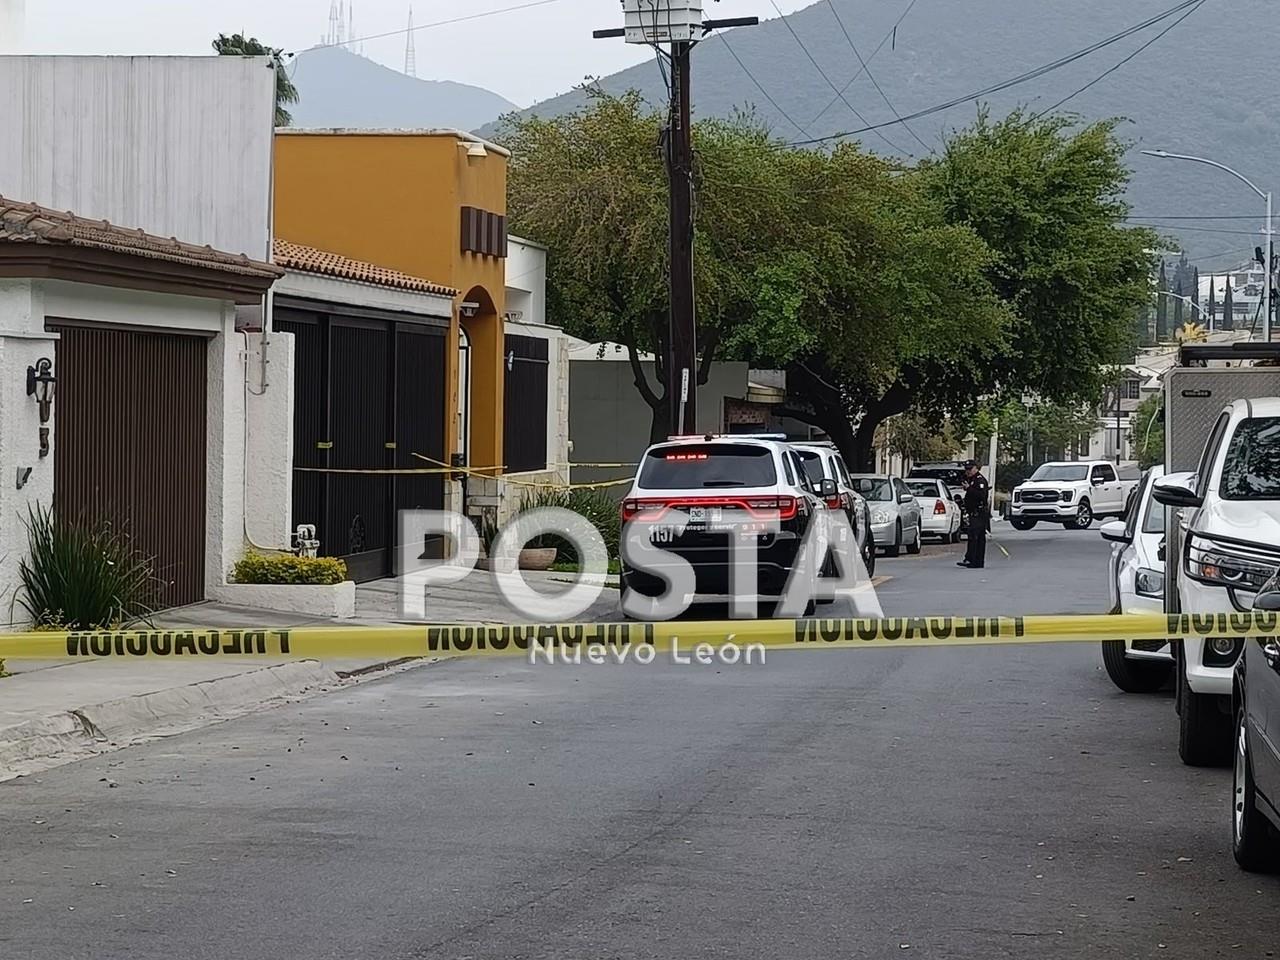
(82,575)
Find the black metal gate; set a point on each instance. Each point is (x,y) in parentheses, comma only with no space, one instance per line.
(524,412)
(369,394)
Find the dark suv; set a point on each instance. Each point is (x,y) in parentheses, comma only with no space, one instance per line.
(1255,821)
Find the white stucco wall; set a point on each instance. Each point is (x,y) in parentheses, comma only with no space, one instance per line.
(22,342)
(526,280)
(26,307)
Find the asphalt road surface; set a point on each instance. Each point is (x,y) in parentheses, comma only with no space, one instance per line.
(830,804)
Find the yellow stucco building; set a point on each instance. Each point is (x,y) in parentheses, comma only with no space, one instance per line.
(431,204)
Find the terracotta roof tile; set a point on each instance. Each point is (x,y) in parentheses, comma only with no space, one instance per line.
(32,223)
(297,256)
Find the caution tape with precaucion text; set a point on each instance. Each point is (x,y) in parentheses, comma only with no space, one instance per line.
(460,640)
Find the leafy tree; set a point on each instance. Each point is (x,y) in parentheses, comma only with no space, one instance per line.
(1048,202)
(238,45)
(1162,306)
(1146,431)
(804,260)
(918,439)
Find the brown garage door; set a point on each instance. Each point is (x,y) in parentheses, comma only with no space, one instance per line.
(129,445)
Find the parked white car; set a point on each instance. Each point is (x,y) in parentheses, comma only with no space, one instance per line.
(895,514)
(939,512)
(1223,547)
(1137,586)
(1071,493)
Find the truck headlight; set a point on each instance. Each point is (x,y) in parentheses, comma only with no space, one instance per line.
(1067,495)
(1149,583)
(1017,496)
(1216,564)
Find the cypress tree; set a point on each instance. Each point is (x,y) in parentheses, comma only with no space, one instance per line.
(1162,306)
(1213,302)
(1228,308)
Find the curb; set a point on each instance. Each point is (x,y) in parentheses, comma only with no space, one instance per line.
(73,734)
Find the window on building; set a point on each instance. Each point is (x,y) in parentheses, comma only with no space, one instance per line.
(1132,389)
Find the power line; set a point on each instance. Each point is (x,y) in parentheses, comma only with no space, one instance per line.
(892,32)
(852,109)
(438,23)
(765,93)
(871,76)
(1014,81)
(1106,73)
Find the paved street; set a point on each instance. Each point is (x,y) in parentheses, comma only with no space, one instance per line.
(931,803)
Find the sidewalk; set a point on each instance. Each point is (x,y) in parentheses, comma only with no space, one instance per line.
(53,712)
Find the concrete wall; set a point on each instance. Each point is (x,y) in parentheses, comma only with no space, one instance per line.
(609,421)
(178,146)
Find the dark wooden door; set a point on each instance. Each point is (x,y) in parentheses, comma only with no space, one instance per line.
(130,445)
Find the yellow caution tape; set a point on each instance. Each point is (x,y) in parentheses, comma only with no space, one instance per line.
(324,643)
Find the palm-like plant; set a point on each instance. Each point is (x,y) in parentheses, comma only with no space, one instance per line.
(238,45)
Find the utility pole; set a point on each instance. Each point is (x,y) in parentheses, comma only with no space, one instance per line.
(678,24)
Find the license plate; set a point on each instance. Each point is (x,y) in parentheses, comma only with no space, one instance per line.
(706,514)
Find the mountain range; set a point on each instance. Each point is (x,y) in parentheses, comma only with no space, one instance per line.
(1204,87)
(338,88)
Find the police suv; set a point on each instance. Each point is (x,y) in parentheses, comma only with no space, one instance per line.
(692,496)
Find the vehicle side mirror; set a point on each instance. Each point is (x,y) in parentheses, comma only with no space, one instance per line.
(1176,490)
(1161,551)
(1269,601)
(828,489)
(1116,531)
(905,498)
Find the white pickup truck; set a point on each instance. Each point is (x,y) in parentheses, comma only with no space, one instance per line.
(1071,493)
(1222,547)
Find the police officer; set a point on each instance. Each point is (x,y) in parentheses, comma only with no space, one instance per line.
(977,506)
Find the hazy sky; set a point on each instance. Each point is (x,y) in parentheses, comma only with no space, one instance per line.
(526,55)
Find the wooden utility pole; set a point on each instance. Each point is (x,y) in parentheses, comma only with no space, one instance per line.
(677,23)
(682,356)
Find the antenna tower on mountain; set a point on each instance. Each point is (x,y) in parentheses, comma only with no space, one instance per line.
(410,54)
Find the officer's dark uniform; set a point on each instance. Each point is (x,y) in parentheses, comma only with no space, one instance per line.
(977,505)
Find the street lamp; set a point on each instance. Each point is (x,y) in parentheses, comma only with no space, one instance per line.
(1190,303)
(1267,229)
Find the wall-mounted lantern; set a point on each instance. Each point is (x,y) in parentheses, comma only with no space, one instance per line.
(40,383)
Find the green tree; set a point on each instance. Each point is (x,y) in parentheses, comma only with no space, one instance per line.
(1228,305)
(1162,306)
(1047,200)
(1146,431)
(804,260)
(919,439)
(238,45)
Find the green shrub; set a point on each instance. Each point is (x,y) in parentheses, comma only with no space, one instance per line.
(82,575)
(288,569)
(595,506)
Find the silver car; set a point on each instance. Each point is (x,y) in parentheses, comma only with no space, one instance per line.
(895,512)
